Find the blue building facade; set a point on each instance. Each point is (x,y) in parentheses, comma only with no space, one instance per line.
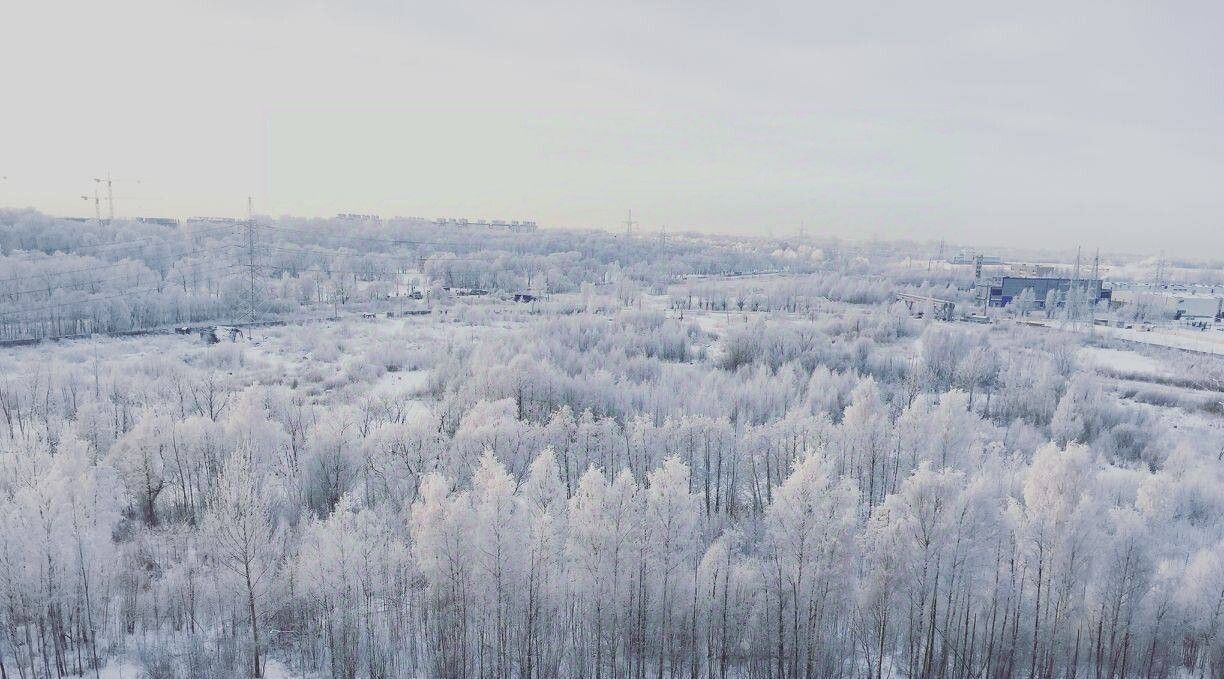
(1003,290)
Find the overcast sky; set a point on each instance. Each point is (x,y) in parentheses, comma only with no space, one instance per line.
(1061,123)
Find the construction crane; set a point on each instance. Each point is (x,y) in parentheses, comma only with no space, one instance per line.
(97,206)
(110,194)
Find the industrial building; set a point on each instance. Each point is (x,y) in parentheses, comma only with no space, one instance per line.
(1002,290)
(966,257)
(1175,304)
(1032,270)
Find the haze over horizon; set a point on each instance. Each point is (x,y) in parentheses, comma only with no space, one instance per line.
(1021,126)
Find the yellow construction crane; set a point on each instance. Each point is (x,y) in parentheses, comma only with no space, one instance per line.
(110,194)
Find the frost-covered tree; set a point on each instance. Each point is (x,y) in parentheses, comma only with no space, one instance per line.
(808,547)
(243,531)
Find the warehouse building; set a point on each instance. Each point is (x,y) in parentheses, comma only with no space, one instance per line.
(1175,304)
(1003,290)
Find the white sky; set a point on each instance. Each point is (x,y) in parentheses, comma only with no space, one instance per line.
(1099,124)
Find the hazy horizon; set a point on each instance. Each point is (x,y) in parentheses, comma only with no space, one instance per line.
(1039,126)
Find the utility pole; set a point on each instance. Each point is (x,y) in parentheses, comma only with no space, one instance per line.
(629,224)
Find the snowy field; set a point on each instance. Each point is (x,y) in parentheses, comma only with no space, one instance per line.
(1168,334)
(1121,360)
(1206,341)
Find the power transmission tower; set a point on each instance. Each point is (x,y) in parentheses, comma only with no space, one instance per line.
(250,310)
(1075,291)
(250,263)
(629,224)
(931,262)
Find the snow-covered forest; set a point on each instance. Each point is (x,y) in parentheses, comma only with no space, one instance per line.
(681,457)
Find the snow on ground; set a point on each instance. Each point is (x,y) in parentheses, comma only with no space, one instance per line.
(1210,341)
(124,668)
(1205,341)
(117,668)
(396,383)
(1121,361)
(275,669)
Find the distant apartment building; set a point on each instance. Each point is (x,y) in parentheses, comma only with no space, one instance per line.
(213,220)
(501,224)
(160,221)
